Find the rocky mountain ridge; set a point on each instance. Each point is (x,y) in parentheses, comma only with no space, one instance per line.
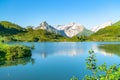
(68,30)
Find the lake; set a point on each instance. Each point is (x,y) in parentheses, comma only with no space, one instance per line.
(58,60)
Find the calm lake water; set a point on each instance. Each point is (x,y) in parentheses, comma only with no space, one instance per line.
(59,60)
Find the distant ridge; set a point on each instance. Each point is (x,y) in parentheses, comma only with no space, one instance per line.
(109,33)
(98,27)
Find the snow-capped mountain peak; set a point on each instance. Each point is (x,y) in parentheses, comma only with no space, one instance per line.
(45,26)
(71,29)
(63,27)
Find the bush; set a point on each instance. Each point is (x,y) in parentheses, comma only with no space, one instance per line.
(11,52)
(111,72)
(101,72)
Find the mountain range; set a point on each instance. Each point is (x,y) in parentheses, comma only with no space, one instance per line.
(103,32)
(69,30)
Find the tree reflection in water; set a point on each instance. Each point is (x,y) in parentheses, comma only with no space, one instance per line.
(22,61)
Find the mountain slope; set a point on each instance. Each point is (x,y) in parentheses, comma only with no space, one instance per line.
(8,28)
(85,32)
(98,27)
(38,35)
(73,29)
(110,33)
(45,26)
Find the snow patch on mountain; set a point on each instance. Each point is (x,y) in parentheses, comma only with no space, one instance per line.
(71,29)
(45,26)
(98,27)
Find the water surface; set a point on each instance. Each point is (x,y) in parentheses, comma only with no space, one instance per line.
(58,60)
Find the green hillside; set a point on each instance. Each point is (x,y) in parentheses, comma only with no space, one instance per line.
(85,32)
(37,35)
(8,28)
(110,33)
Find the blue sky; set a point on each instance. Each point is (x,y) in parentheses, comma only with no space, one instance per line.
(86,12)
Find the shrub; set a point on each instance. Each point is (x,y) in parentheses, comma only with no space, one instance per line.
(11,52)
(111,72)
(101,72)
